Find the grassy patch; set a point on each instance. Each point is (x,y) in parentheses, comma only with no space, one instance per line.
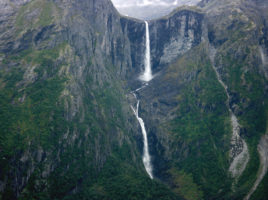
(247,88)
(201,127)
(184,185)
(35,14)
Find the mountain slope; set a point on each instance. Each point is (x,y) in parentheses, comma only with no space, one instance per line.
(186,107)
(67,131)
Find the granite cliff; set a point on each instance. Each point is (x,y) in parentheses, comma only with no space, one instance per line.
(67,68)
(208,63)
(67,130)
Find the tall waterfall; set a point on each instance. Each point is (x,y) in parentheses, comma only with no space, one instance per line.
(146,156)
(147,75)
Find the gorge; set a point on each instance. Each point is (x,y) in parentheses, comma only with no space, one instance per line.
(239,150)
(96,105)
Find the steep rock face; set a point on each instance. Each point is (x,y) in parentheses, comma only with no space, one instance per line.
(108,35)
(135,32)
(239,61)
(174,35)
(187,123)
(66,127)
(184,106)
(67,130)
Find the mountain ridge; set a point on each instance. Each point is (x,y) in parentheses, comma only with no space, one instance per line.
(67,129)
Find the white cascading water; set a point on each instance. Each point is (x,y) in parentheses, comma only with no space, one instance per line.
(147,75)
(264,60)
(146,156)
(263,57)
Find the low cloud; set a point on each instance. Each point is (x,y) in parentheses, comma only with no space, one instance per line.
(144,3)
(149,9)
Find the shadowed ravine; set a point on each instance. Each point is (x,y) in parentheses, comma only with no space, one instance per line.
(239,150)
(98,105)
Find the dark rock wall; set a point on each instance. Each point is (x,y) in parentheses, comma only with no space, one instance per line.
(174,35)
(99,56)
(95,54)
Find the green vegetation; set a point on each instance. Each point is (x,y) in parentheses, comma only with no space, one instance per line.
(202,126)
(261,193)
(246,84)
(91,155)
(39,13)
(65,127)
(28,113)
(117,181)
(185,186)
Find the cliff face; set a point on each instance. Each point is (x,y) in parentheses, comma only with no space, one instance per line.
(174,35)
(66,127)
(67,130)
(134,31)
(185,106)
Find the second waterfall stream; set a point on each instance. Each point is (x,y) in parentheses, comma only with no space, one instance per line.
(145,77)
(146,156)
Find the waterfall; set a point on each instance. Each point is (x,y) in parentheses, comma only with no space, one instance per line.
(147,75)
(264,61)
(263,57)
(146,156)
(239,149)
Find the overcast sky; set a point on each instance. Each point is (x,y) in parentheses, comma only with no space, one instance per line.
(149,9)
(142,3)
